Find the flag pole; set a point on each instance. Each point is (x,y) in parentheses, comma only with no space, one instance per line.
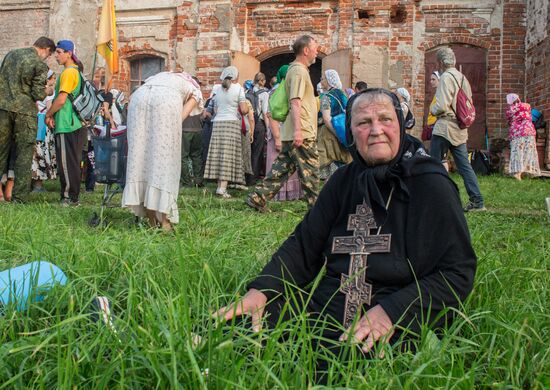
(95,60)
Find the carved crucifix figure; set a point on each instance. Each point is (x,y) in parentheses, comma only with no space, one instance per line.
(359,246)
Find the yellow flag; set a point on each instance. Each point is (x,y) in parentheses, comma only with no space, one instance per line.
(107,44)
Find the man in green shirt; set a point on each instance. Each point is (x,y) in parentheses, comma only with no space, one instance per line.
(298,134)
(23,76)
(70,133)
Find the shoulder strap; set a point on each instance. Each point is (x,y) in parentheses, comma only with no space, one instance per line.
(458,85)
(72,95)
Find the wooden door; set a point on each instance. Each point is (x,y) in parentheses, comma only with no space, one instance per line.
(247,65)
(472,62)
(340,61)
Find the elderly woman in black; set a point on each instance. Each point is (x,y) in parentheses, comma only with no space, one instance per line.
(376,237)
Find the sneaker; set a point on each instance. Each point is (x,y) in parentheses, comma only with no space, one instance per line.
(238,187)
(474,207)
(254,201)
(223,194)
(66,202)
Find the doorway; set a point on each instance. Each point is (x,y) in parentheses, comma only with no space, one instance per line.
(472,62)
(271,65)
(248,66)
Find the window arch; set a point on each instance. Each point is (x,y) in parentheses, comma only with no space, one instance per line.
(143,67)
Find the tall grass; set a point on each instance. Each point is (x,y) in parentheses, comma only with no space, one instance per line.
(164,287)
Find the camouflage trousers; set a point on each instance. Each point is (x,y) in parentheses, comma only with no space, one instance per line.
(304,159)
(17,144)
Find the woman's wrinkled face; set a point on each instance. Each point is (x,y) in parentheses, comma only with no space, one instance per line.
(434,82)
(375,127)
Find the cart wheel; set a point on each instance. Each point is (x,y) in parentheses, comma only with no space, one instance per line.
(94,220)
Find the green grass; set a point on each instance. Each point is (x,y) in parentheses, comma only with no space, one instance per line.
(164,287)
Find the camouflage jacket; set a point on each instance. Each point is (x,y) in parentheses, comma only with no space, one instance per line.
(22,81)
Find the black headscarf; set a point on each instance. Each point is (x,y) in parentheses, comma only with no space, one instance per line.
(410,160)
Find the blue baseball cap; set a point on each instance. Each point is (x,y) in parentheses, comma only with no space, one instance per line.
(67,45)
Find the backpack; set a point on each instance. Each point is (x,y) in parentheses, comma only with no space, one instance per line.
(480,163)
(87,102)
(278,103)
(465,111)
(253,98)
(537,118)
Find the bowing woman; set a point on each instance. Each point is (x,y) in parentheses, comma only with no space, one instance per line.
(374,240)
(155,114)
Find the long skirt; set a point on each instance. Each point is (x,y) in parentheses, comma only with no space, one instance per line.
(523,156)
(247,154)
(44,163)
(332,154)
(225,154)
(154,152)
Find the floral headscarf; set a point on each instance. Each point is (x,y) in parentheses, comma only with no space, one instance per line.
(333,79)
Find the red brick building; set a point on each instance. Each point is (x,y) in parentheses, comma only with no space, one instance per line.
(502,46)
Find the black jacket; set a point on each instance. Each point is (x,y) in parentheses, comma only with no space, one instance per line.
(430,266)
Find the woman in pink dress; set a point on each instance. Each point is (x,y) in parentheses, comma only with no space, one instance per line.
(522,136)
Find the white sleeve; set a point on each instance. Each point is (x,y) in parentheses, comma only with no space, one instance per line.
(264,102)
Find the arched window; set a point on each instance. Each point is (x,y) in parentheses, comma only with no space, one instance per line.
(142,68)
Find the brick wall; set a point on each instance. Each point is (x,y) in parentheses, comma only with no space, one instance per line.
(537,81)
(505,46)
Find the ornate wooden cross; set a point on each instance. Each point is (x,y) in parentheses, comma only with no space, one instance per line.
(359,246)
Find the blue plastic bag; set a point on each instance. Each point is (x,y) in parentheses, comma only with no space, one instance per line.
(339,124)
(41,132)
(29,283)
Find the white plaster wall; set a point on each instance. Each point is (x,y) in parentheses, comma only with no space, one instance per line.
(76,20)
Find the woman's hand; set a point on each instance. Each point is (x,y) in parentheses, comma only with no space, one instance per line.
(375,325)
(252,304)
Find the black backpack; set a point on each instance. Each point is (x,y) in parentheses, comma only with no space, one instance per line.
(480,163)
(253,98)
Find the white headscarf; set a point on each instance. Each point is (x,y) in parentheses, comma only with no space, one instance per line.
(231,72)
(333,78)
(404,93)
(319,88)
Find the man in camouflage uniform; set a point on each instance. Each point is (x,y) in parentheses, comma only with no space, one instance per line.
(298,134)
(22,82)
